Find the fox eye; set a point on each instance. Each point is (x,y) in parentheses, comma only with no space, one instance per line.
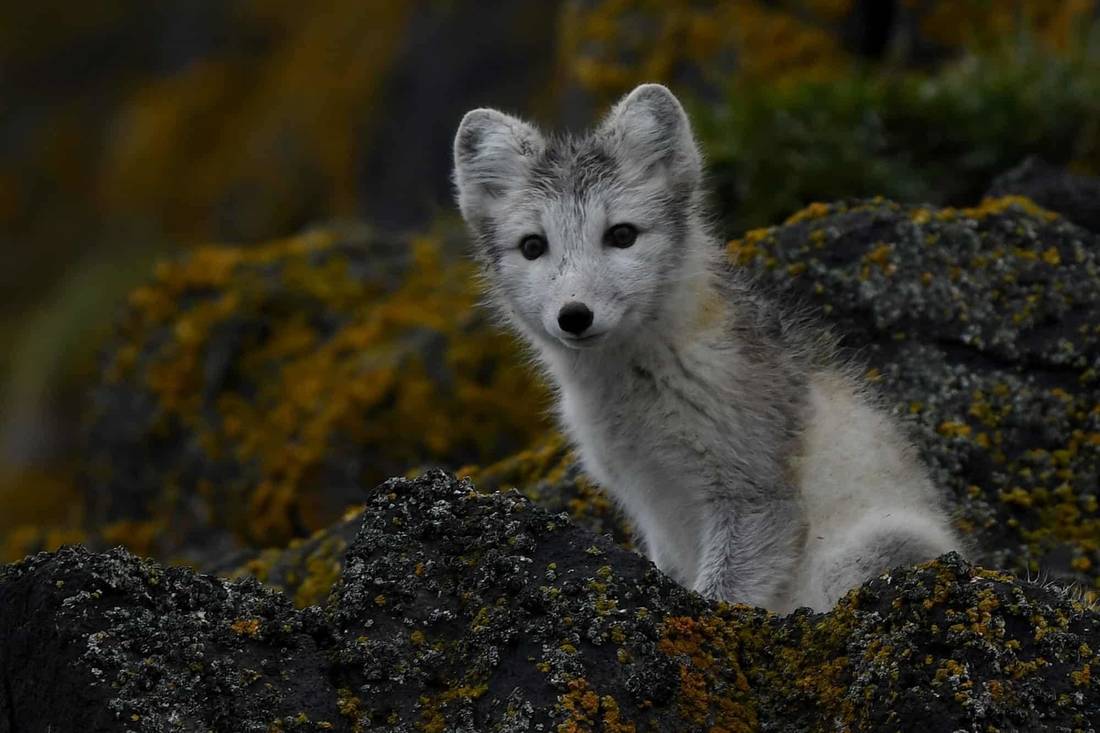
(621,235)
(532,246)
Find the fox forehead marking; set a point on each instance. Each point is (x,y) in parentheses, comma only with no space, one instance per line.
(570,181)
(573,167)
(579,175)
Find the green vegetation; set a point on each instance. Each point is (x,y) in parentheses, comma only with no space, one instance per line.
(938,138)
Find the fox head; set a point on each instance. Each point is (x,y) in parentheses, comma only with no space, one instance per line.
(583,238)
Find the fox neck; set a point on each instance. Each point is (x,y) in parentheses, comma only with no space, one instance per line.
(691,300)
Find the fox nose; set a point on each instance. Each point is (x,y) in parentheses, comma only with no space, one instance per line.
(574,318)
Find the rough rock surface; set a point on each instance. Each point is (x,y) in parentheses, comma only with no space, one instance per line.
(462,611)
(1075,197)
(547,474)
(445,612)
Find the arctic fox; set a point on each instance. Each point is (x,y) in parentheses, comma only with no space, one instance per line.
(751,462)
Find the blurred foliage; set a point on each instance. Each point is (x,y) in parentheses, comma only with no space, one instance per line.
(608,46)
(924,100)
(937,138)
(1056,25)
(251,146)
(41,511)
(134,130)
(214,123)
(142,128)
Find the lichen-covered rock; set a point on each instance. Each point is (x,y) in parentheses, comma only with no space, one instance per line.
(982,327)
(1076,197)
(249,394)
(110,642)
(548,474)
(467,611)
(305,569)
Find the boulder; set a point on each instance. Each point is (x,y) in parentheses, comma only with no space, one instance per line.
(548,474)
(1076,197)
(464,611)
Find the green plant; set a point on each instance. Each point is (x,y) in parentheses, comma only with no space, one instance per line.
(937,138)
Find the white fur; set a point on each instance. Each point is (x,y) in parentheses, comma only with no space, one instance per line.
(858,476)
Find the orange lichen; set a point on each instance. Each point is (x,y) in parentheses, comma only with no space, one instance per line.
(815,210)
(707,648)
(589,712)
(433,717)
(998,205)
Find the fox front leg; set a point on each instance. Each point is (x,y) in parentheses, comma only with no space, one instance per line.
(750,551)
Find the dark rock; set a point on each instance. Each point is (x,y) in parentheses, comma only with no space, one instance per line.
(462,611)
(547,474)
(109,642)
(1075,197)
(453,609)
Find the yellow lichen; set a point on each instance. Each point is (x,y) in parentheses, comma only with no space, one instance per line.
(246,626)
(589,712)
(365,383)
(708,647)
(815,210)
(433,718)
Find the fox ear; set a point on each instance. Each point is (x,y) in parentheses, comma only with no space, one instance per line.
(649,128)
(492,153)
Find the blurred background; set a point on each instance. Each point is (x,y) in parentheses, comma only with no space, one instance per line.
(134,132)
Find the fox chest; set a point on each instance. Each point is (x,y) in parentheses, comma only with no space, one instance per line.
(660,447)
